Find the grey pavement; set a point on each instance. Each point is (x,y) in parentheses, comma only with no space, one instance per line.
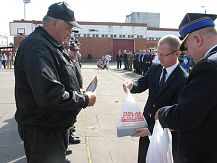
(95,125)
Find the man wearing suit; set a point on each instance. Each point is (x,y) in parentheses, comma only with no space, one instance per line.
(164,82)
(195,114)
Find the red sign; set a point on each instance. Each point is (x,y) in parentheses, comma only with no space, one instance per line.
(132,117)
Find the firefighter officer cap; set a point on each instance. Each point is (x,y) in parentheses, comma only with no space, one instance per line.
(192,22)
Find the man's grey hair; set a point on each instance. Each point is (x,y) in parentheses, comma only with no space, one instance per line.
(208,31)
(173,41)
(46,19)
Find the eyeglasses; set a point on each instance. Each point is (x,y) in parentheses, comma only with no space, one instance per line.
(165,55)
(69,27)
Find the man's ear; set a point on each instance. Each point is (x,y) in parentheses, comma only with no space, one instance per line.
(53,24)
(198,40)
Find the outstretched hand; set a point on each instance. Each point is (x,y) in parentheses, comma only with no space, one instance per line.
(127,84)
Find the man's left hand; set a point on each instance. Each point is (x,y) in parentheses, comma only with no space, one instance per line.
(142,132)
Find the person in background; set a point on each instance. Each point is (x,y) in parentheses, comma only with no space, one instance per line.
(107,60)
(119,59)
(100,64)
(10,60)
(73,55)
(164,81)
(194,116)
(47,92)
(130,60)
(1,56)
(186,62)
(4,60)
(125,59)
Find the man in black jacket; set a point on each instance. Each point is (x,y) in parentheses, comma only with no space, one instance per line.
(164,82)
(47,91)
(195,114)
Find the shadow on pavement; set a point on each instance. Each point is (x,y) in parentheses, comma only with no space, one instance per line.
(127,74)
(11,146)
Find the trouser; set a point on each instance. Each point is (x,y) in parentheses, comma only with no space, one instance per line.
(44,146)
(118,64)
(143,148)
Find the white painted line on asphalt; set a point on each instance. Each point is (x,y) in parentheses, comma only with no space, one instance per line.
(89,155)
(18,159)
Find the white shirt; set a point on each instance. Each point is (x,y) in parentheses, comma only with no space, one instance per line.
(169,70)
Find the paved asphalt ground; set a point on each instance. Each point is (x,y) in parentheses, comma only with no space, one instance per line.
(95,125)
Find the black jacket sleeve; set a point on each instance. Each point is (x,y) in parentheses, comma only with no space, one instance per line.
(196,100)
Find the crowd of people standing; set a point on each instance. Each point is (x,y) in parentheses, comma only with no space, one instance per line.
(138,62)
(6,60)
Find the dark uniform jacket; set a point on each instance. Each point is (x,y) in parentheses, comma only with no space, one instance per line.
(78,73)
(47,91)
(195,116)
(167,95)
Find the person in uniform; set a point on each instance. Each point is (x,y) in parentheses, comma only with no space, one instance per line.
(47,91)
(194,116)
(73,55)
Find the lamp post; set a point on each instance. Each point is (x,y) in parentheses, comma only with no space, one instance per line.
(204,9)
(25,2)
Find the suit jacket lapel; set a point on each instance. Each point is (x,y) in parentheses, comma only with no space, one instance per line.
(168,81)
(156,79)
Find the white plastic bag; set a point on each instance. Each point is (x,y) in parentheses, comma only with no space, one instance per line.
(160,147)
(131,117)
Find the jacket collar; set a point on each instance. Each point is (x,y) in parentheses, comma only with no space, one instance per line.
(48,37)
(212,51)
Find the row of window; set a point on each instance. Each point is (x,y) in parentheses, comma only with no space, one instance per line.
(106,35)
(114,36)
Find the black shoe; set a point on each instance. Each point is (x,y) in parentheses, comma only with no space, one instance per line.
(71,130)
(68,160)
(74,139)
(68,152)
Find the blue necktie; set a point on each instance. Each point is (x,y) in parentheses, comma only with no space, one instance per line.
(162,81)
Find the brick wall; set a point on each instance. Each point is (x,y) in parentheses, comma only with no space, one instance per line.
(95,46)
(98,47)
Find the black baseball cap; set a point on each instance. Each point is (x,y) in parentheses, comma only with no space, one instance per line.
(73,46)
(63,11)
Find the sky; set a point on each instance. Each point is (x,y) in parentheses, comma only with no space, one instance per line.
(171,11)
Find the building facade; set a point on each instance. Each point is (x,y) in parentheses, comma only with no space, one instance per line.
(99,38)
(3,40)
(151,19)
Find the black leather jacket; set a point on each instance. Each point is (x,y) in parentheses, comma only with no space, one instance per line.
(47,91)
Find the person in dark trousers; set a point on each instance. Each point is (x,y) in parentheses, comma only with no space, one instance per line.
(47,92)
(73,55)
(194,116)
(119,59)
(164,82)
(125,59)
